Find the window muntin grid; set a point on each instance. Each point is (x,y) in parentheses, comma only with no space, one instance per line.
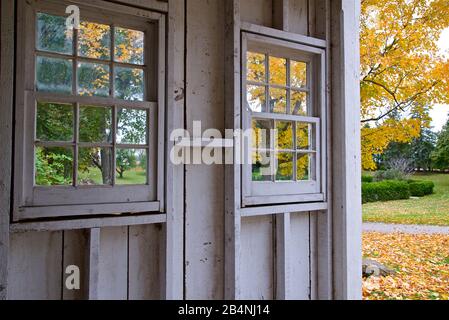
(89,69)
(288,155)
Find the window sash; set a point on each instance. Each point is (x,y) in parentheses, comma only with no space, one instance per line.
(33,201)
(52,195)
(276,192)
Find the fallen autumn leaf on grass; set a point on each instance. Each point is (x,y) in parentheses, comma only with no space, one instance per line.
(421,262)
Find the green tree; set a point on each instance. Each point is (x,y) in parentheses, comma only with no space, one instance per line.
(126,160)
(440,156)
(422,148)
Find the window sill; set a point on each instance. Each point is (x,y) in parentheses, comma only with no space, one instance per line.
(78,224)
(28,213)
(276,209)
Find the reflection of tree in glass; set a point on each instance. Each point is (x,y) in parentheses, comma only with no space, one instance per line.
(129,84)
(284,136)
(95,126)
(129,46)
(261,158)
(53,166)
(126,160)
(54,122)
(54,75)
(256,72)
(302,165)
(53,35)
(131,126)
(256,67)
(94,41)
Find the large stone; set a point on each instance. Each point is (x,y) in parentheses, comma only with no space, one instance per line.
(372,268)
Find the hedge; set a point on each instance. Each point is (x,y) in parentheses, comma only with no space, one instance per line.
(367,178)
(385,191)
(420,188)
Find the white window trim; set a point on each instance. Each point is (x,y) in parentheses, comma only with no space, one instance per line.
(32,202)
(270,193)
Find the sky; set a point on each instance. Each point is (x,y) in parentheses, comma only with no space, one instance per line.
(440,112)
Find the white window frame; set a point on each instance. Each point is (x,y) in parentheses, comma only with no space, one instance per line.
(279,192)
(32,202)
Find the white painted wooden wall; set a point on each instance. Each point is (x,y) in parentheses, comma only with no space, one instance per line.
(280,256)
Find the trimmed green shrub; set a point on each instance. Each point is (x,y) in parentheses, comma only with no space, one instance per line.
(391,174)
(421,188)
(385,191)
(367,178)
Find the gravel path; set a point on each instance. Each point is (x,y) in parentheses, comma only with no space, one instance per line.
(412,229)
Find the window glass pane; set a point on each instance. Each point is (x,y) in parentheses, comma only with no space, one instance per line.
(261,134)
(298,105)
(256,98)
(284,170)
(284,130)
(54,122)
(53,166)
(303,132)
(131,167)
(129,84)
(256,67)
(303,167)
(261,166)
(298,74)
(278,71)
(278,100)
(132,126)
(129,46)
(94,40)
(53,35)
(95,166)
(93,79)
(54,75)
(95,124)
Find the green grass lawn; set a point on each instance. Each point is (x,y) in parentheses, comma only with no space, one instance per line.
(131,177)
(429,210)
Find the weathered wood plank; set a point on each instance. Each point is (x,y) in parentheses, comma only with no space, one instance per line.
(88,223)
(323,229)
(174,270)
(284,289)
(298,17)
(257,259)
(35,266)
(93,262)
(145,258)
(159,5)
(6,110)
(300,257)
(113,264)
(347,217)
(283,35)
(232,185)
(74,254)
(280,14)
(259,12)
(204,184)
(314,267)
(263,211)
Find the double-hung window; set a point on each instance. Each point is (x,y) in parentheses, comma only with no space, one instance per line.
(89,111)
(283,102)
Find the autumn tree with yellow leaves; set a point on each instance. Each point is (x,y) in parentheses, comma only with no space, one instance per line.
(402,72)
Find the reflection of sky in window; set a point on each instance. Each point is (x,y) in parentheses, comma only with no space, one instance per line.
(256,95)
(255,105)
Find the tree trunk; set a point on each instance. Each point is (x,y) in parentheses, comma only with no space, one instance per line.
(106,165)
